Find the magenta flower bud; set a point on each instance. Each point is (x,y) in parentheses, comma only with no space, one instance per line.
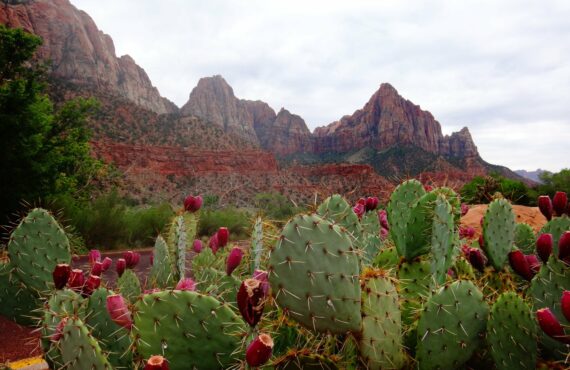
(156,363)
(58,332)
(92,283)
(464,209)
(107,262)
(121,265)
(223,236)
(234,259)
(263,277)
(545,206)
(477,259)
(251,300)
(131,259)
(362,201)
(197,246)
(565,304)
(192,203)
(466,232)
(383,233)
(533,263)
(186,284)
(60,275)
(550,325)
(119,311)
(259,351)
(359,209)
(371,203)
(213,243)
(520,265)
(94,256)
(559,203)
(564,247)
(76,280)
(383,218)
(97,268)
(544,246)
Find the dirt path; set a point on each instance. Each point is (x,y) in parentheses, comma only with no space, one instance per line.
(17,342)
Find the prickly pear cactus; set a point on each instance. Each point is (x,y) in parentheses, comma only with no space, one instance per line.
(191,330)
(36,246)
(113,339)
(381,337)
(314,272)
(257,244)
(387,259)
(79,350)
(512,333)
(442,234)
(525,239)
(463,269)
(416,282)
(336,210)
(557,226)
(129,285)
(451,326)
(546,289)
(180,248)
(298,361)
(399,208)
(17,301)
(161,272)
(498,232)
(371,242)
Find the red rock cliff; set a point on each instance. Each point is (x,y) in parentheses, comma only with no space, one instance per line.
(82,54)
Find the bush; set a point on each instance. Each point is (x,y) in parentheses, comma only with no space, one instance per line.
(480,190)
(276,206)
(237,221)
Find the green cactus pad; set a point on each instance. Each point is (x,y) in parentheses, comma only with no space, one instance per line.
(371,242)
(256,245)
(512,333)
(557,226)
(36,246)
(336,209)
(399,208)
(387,259)
(296,361)
(129,285)
(17,301)
(381,338)
(525,239)
(314,272)
(113,339)
(498,232)
(161,272)
(442,235)
(463,269)
(79,350)
(416,282)
(546,289)
(191,330)
(451,326)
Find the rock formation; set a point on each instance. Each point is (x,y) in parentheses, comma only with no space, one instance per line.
(81,54)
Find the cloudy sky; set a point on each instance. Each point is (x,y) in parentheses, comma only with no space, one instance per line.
(502,68)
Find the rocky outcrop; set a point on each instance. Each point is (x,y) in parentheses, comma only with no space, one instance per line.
(287,134)
(81,54)
(389,120)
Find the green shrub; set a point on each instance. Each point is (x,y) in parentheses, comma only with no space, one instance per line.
(276,206)
(481,189)
(237,221)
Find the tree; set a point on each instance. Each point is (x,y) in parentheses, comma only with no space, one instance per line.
(43,152)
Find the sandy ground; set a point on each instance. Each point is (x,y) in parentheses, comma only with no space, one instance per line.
(529,215)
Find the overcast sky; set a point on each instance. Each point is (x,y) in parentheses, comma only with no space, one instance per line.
(502,68)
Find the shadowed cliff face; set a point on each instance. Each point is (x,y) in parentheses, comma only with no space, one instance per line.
(82,54)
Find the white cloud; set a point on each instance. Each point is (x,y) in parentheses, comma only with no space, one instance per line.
(497,67)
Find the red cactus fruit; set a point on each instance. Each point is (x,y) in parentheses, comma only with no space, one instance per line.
(544,246)
(481,240)
(107,262)
(234,259)
(545,206)
(564,247)
(61,274)
(263,277)
(156,363)
(121,265)
(131,258)
(186,284)
(197,246)
(97,269)
(466,232)
(213,243)
(359,209)
(550,325)
(371,203)
(361,201)
(58,332)
(119,311)
(223,236)
(464,209)
(520,264)
(559,203)
(477,258)
(76,280)
(259,351)
(428,188)
(251,300)
(383,233)
(94,256)
(92,283)
(533,263)
(383,218)
(192,203)
(565,304)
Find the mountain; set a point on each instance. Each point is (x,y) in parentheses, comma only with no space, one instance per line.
(531,175)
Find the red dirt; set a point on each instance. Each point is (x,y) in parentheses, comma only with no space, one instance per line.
(17,342)
(528,215)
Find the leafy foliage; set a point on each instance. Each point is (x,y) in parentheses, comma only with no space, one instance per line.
(481,189)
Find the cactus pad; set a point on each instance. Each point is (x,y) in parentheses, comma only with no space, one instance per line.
(498,232)
(442,234)
(387,258)
(129,285)
(371,242)
(314,272)
(557,226)
(337,210)
(79,350)
(416,282)
(190,329)
(161,271)
(17,301)
(525,239)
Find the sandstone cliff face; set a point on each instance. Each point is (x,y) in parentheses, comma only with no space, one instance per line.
(82,54)
(389,120)
(286,135)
